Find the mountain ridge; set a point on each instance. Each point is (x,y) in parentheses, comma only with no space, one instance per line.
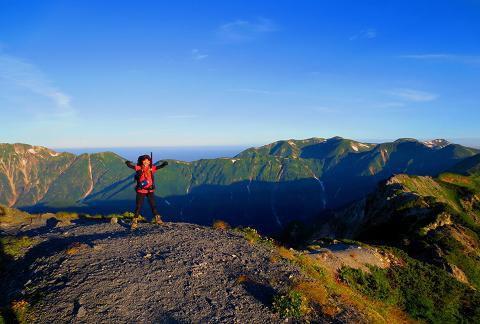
(281,181)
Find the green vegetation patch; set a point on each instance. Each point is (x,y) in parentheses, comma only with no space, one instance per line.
(125,216)
(292,304)
(18,311)
(422,290)
(13,246)
(252,236)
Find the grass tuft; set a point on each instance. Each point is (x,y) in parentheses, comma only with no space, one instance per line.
(252,236)
(20,309)
(220,225)
(242,279)
(76,247)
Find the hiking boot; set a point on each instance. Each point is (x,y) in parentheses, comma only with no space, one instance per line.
(158,220)
(134,224)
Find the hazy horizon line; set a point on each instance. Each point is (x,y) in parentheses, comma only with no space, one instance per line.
(472,141)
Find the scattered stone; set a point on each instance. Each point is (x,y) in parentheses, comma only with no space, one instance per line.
(63,222)
(81,312)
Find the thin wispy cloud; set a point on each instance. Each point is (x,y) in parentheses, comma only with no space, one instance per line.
(25,75)
(427,56)
(259,91)
(198,55)
(186,116)
(413,95)
(28,76)
(369,33)
(246,30)
(444,57)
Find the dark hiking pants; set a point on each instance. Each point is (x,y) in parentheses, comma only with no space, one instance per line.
(151,201)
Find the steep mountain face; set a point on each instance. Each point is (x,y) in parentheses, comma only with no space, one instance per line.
(34,175)
(433,219)
(266,187)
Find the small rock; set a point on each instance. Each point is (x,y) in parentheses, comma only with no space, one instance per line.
(113,220)
(147,256)
(81,312)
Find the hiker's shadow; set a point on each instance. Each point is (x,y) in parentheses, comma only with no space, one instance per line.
(54,224)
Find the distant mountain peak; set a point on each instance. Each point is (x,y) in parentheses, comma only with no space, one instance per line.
(406,139)
(336,138)
(437,143)
(27,149)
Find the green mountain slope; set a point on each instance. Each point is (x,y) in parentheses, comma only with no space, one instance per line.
(31,175)
(436,220)
(266,187)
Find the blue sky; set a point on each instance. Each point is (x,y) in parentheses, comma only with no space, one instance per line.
(186,73)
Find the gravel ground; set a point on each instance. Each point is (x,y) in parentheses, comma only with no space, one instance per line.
(177,273)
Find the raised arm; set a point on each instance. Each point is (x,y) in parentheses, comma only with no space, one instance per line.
(130,164)
(162,165)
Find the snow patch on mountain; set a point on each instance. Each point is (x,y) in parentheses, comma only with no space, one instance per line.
(436,143)
(365,145)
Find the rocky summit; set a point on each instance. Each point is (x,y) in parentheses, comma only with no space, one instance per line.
(103,272)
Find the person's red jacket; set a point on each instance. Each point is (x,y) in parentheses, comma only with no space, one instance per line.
(146,175)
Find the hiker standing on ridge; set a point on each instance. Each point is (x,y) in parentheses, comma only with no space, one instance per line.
(145,186)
